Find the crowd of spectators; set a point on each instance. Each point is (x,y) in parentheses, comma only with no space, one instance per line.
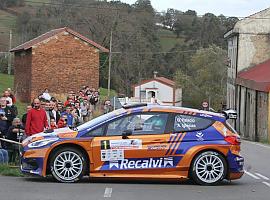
(45,112)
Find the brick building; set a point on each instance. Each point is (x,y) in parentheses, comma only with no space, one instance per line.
(60,60)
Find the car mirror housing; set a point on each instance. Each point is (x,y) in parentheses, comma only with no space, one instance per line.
(126,133)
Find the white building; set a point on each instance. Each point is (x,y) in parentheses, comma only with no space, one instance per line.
(157,90)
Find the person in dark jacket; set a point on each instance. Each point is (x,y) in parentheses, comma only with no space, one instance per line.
(3,128)
(9,112)
(16,134)
(24,117)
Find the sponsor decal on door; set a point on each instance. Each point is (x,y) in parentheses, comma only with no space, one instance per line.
(141,163)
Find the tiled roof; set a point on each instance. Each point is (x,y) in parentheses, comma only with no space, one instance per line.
(31,43)
(159,79)
(165,80)
(256,78)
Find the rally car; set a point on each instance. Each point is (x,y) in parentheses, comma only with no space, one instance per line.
(139,142)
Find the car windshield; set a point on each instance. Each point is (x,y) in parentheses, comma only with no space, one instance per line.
(100,119)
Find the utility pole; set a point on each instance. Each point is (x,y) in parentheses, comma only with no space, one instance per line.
(110,65)
(9,53)
(140,80)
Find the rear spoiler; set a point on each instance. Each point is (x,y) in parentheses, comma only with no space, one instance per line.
(230,114)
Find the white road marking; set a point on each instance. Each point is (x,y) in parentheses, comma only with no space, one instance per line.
(252,175)
(262,176)
(108,193)
(268,184)
(258,144)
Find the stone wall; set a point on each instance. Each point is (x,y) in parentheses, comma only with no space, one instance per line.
(254,39)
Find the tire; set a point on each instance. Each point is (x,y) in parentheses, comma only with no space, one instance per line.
(68,165)
(208,168)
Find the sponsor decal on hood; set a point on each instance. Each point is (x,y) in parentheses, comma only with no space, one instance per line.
(61,133)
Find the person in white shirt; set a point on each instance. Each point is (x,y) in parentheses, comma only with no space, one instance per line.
(8,98)
(46,95)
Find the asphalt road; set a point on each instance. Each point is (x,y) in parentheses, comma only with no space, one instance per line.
(254,185)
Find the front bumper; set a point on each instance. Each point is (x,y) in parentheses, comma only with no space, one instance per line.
(32,166)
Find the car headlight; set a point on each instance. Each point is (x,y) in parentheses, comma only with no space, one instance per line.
(41,143)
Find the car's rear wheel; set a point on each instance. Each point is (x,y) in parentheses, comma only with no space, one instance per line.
(68,165)
(209,168)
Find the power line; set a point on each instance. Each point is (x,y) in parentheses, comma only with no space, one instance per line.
(155,53)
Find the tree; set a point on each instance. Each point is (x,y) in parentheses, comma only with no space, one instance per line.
(10,3)
(206,78)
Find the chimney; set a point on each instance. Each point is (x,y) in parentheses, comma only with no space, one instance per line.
(155,74)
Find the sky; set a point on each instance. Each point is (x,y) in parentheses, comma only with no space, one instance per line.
(238,8)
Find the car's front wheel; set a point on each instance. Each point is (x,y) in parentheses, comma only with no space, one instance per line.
(68,165)
(208,168)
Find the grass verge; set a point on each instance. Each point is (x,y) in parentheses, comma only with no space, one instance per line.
(6,81)
(6,170)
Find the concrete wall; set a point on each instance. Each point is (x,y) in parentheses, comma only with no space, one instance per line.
(242,112)
(238,107)
(250,125)
(262,116)
(253,48)
(252,122)
(178,97)
(232,56)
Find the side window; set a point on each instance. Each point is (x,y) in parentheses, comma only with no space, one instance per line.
(148,123)
(183,123)
(96,132)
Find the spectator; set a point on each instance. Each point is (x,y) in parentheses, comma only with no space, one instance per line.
(70,101)
(60,107)
(87,91)
(3,123)
(76,119)
(8,98)
(77,109)
(15,133)
(85,110)
(9,112)
(25,115)
(62,121)
(3,156)
(46,95)
(107,106)
(48,111)
(53,124)
(36,119)
(29,107)
(93,99)
(42,103)
(56,113)
(12,96)
(3,127)
(69,116)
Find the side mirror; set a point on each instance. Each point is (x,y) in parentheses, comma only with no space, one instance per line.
(126,133)
(230,114)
